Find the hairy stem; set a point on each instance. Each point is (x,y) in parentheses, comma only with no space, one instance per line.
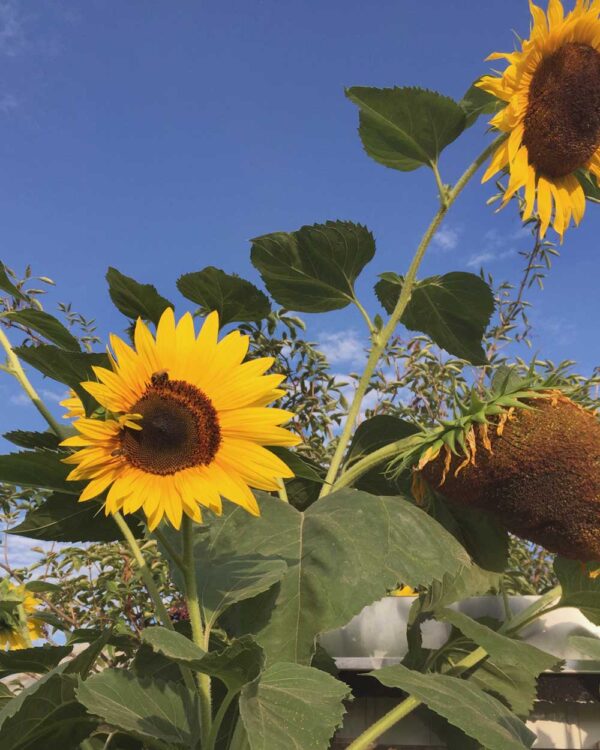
(199,636)
(408,705)
(150,584)
(381,339)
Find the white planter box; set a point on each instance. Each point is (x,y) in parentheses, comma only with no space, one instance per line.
(377,637)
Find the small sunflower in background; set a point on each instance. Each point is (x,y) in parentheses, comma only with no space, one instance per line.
(18,628)
(552,118)
(186,424)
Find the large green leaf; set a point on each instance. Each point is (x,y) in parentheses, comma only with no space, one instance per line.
(33,440)
(301,467)
(370,435)
(148,709)
(465,706)
(61,518)
(454,310)
(5,695)
(47,717)
(346,551)
(235,299)
(477,102)
(37,660)
(37,469)
(513,685)
(579,588)
(70,368)
(404,128)
(586,645)
(292,707)
(237,664)
(501,648)
(47,325)
(225,579)
(469,581)
(480,534)
(133,299)
(7,285)
(313,269)
(589,183)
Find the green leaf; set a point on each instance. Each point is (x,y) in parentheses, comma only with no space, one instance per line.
(82,663)
(404,128)
(469,581)
(34,440)
(237,664)
(370,435)
(135,300)
(313,269)
(70,368)
(37,469)
(586,645)
(454,310)
(514,686)
(480,534)
(41,587)
(7,286)
(36,660)
(235,299)
(301,467)
(589,183)
(477,102)
(62,518)
(578,588)
(346,551)
(47,716)
(502,649)
(46,325)
(292,707)
(148,709)
(465,706)
(5,695)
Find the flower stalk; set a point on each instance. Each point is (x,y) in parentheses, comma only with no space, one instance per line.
(381,339)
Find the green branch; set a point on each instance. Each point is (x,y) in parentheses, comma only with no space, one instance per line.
(381,339)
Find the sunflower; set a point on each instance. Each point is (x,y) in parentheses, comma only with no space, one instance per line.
(186,424)
(17,628)
(552,117)
(73,406)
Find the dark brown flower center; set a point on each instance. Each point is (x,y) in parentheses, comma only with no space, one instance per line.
(562,123)
(180,428)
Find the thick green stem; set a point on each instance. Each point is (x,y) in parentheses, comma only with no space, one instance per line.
(151,587)
(14,367)
(200,637)
(381,339)
(408,705)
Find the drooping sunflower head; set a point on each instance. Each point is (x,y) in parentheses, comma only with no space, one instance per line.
(552,116)
(18,626)
(187,423)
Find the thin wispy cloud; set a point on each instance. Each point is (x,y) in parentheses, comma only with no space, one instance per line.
(22,399)
(8,103)
(497,247)
(446,239)
(12,37)
(344,346)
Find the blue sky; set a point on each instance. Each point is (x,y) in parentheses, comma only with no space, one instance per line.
(159,137)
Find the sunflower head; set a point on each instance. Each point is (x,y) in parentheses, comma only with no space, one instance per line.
(534,465)
(186,424)
(551,87)
(18,628)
